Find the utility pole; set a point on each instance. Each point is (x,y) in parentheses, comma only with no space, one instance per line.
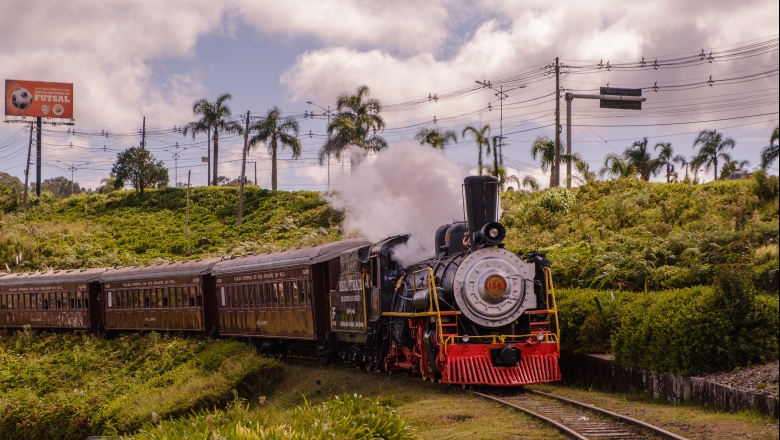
(556,168)
(569,98)
(176,163)
(499,148)
(143,135)
(243,173)
(27,170)
(72,168)
(328,114)
(38,156)
(187,214)
(495,156)
(208,167)
(256,184)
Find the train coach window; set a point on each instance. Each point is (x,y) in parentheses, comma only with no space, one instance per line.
(296,294)
(199,301)
(52,300)
(45,304)
(222,290)
(146,298)
(274,295)
(86,303)
(2,302)
(59,300)
(110,300)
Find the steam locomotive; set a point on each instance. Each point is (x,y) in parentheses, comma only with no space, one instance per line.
(474,314)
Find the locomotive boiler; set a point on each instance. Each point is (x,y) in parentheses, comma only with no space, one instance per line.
(475,313)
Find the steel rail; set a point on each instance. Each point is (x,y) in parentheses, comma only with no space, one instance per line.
(572,431)
(625,419)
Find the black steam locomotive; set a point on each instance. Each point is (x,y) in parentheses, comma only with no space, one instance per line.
(475,313)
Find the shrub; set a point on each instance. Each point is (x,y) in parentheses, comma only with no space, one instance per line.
(343,417)
(696,330)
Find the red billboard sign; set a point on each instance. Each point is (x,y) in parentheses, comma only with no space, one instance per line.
(38,99)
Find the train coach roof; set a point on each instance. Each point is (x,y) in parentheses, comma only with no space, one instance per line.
(51,277)
(161,270)
(292,257)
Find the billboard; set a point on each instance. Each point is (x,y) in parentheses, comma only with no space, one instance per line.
(38,99)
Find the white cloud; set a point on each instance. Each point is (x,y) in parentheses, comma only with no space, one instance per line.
(403,25)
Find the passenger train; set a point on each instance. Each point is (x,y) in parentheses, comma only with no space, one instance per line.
(473,314)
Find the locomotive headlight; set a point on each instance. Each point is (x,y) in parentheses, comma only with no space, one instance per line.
(493,232)
(465,338)
(539,337)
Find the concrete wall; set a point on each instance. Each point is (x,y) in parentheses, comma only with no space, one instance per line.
(602,372)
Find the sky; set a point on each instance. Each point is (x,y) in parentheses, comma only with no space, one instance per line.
(143,58)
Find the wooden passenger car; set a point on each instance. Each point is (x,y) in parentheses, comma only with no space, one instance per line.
(55,299)
(282,295)
(174,296)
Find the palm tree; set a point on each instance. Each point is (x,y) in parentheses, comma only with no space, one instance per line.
(770,153)
(666,159)
(275,131)
(436,138)
(583,168)
(355,124)
(481,137)
(618,166)
(713,146)
(530,182)
(544,148)
(203,108)
(639,157)
(730,166)
(683,163)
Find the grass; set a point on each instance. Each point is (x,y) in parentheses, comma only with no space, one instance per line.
(687,420)
(67,386)
(435,411)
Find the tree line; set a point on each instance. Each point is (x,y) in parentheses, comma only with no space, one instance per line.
(358,122)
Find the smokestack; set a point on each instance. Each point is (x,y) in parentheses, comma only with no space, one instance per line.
(481,200)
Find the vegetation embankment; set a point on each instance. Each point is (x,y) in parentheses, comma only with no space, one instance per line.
(68,386)
(630,234)
(667,277)
(122,228)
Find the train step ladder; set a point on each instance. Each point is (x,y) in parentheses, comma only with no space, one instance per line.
(540,326)
(449,328)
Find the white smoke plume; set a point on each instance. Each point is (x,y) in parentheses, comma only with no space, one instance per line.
(409,188)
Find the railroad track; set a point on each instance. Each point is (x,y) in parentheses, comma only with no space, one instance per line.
(580,420)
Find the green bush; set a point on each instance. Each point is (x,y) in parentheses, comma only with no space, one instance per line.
(343,417)
(697,330)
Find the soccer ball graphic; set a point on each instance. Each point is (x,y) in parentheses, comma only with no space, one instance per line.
(21,98)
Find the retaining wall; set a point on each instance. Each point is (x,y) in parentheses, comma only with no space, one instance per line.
(602,372)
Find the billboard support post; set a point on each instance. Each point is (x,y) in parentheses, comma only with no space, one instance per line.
(27,170)
(38,158)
